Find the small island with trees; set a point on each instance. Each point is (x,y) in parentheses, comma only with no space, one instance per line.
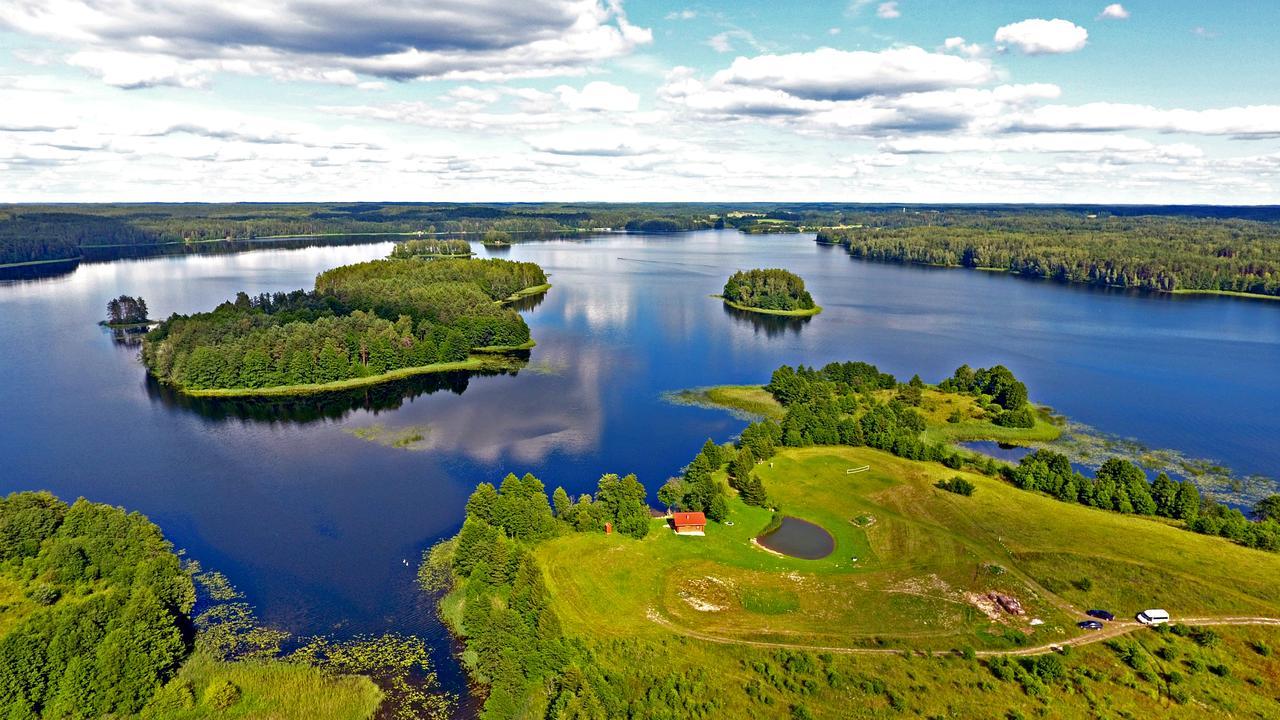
(126,311)
(363,324)
(430,248)
(773,292)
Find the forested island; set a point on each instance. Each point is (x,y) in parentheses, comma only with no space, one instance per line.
(362,324)
(126,310)
(434,247)
(979,572)
(773,292)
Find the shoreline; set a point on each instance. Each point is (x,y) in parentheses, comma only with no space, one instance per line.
(33,263)
(764,311)
(286,391)
(528,292)
(984,268)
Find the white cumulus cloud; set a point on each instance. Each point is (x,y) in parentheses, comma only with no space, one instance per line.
(184,41)
(888,11)
(829,74)
(1042,37)
(1114,11)
(957,44)
(599,95)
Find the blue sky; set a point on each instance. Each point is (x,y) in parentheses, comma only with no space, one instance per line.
(475,100)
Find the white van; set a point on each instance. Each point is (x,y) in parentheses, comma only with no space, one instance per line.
(1153,617)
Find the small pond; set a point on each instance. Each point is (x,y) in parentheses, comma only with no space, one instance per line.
(799,538)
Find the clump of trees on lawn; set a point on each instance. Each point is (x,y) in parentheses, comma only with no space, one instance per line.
(699,490)
(1122,486)
(773,289)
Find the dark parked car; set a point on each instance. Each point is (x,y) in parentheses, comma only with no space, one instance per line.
(1101,615)
(1089,625)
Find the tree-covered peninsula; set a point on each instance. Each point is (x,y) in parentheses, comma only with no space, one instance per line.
(1160,254)
(362,323)
(985,585)
(773,291)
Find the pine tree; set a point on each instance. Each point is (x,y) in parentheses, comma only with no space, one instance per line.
(483,503)
(1165,494)
(561,503)
(753,492)
(1188,501)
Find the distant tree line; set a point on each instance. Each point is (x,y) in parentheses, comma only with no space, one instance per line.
(772,289)
(126,309)
(101,610)
(1160,254)
(362,320)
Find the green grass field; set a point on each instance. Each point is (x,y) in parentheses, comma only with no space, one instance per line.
(935,406)
(924,559)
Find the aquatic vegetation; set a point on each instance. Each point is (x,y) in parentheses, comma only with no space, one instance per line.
(412,437)
(399,664)
(1088,446)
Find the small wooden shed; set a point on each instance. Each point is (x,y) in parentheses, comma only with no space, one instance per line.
(689,523)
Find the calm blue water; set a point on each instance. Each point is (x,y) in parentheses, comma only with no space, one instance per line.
(316,525)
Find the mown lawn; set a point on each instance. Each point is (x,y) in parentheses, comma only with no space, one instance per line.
(916,563)
(657,603)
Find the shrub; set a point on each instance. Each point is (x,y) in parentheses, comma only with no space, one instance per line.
(44,594)
(1016,419)
(1084,584)
(957,485)
(1220,670)
(1261,648)
(221,694)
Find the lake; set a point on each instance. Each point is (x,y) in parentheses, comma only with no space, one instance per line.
(323,529)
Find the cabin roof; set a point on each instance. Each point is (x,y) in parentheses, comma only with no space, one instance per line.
(685,519)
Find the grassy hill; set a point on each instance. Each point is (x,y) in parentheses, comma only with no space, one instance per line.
(925,559)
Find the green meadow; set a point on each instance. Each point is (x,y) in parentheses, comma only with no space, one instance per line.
(899,616)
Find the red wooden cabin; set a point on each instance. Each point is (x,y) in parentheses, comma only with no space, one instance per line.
(689,523)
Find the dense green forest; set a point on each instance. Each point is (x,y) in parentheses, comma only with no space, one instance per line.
(773,289)
(841,404)
(1170,242)
(94,607)
(361,320)
(1164,254)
